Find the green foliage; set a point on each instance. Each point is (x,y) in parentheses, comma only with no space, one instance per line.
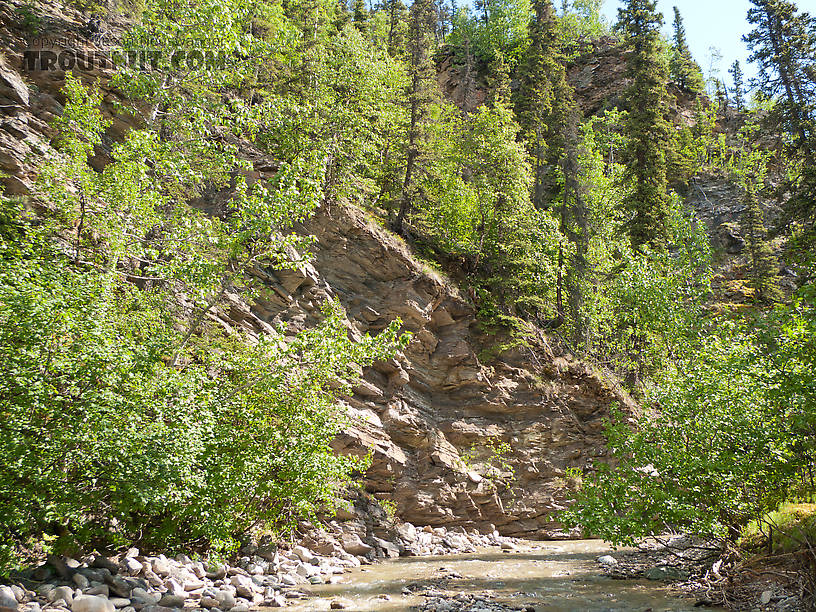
(477,207)
(637,305)
(581,22)
(501,29)
(695,147)
(738,87)
(731,431)
(31,20)
(123,424)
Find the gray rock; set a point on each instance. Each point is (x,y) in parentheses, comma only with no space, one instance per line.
(226,600)
(158,609)
(766,597)
(91,603)
(132,566)
(216,572)
(101,562)
(19,593)
(276,601)
(119,586)
(239,608)
(243,585)
(64,593)
(340,604)
(353,545)
(208,602)
(607,560)
(8,602)
(169,600)
(101,589)
(665,572)
(81,581)
(160,566)
(119,602)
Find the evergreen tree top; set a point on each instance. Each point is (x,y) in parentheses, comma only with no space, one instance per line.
(680,41)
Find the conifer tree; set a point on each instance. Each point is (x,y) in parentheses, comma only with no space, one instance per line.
(763,262)
(422,91)
(397,17)
(498,80)
(647,126)
(548,116)
(783,44)
(541,101)
(738,88)
(684,70)
(360,15)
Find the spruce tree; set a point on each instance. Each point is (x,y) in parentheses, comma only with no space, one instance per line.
(648,129)
(548,116)
(684,70)
(498,80)
(738,88)
(421,93)
(397,17)
(542,100)
(763,262)
(360,15)
(783,44)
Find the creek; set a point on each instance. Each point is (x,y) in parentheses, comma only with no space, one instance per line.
(539,576)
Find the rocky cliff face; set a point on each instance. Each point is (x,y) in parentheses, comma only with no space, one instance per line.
(418,414)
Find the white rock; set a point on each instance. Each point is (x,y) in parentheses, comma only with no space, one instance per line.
(91,603)
(607,560)
(153,578)
(304,554)
(174,587)
(132,566)
(8,601)
(765,598)
(161,565)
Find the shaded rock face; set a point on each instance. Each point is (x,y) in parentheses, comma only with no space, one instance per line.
(418,413)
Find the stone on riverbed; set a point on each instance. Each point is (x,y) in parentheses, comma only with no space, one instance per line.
(8,602)
(607,560)
(91,603)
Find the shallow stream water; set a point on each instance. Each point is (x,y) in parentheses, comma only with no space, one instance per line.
(544,576)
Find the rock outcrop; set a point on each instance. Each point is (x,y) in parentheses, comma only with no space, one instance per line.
(421,412)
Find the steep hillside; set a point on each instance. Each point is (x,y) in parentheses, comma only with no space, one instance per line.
(419,415)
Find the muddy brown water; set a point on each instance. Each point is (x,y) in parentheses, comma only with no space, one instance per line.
(546,576)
